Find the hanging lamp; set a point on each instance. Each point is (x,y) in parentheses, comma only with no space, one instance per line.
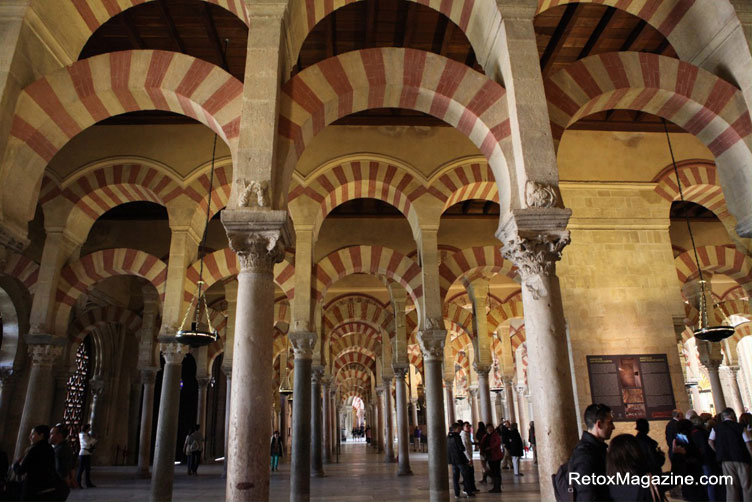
(703,331)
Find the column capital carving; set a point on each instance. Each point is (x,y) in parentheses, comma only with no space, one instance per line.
(203,382)
(148,375)
(400,370)
(533,239)
(387,381)
(473,391)
(432,339)
(96,386)
(481,369)
(302,343)
(173,352)
(258,236)
(44,355)
(317,374)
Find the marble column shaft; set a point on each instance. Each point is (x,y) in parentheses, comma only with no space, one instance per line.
(449,415)
(317,469)
(203,390)
(148,377)
(388,431)
(300,458)
(736,393)
(380,419)
(716,388)
(484,395)
(403,432)
(327,424)
(509,400)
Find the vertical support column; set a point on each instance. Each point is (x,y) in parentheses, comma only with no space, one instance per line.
(414,412)
(388,431)
(449,414)
(327,423)
(38,392)
(533,239)
(509,413)
(403,433)
(8,379)
(380,419)
(203,390)
(148,376)
(300,458)
(711,357)
(473,397)
(231,295)
(484,393)
(228,402)
(96,387)
(167,422)
(317,469)
(522,407)
(736,394)
(258,237)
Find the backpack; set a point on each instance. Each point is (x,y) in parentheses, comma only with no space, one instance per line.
(563,491)
(194,446)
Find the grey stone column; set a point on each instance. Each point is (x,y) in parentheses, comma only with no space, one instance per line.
(203,390)
(484,393)
(148,375)
(163,471)
(39,391)
(736,393)
(716,388)
(283,421)
(380,419)
(317,469)
(403,432)
(414,412)
(300,458)
(228,402)
(472,395)
(388,431)
(449,414)
(96,387)
(509,400)
(431,340)
(327,422)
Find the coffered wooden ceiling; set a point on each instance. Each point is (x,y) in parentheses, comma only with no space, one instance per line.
(564,35)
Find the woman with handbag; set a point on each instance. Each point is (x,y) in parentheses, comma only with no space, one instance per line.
(87,443)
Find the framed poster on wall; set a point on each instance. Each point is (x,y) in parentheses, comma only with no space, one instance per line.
(633,385)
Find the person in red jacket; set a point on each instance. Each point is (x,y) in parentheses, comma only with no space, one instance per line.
(491,446)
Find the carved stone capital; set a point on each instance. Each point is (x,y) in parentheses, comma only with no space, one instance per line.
(44,355)
(432,344)
(148,375)
(302,343)
(400,370)
(258,237)
(473,391)
(96,386)
(203,382)
(387,381)
(481,369)
(173,353)
(317,374)
(540,195)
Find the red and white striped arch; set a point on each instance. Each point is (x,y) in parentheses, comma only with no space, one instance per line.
(415,357)
(459,343)
(199,187)
(735,307)
(358,308)
(471,263)
(57,107)
(223,264)
(76,278)
(350,359)
(518,336)
(376,260)
(281,311)
(395,78)
(22,269)
(459,318)
(358,179)
(719,260)
(359,336)
(465,181)
(82,325)
(742,331)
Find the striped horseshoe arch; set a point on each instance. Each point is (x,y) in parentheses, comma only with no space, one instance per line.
(358,308)
(22,269)
(468,180)
(395,78)
(719,260)
(84,324)
(472,263)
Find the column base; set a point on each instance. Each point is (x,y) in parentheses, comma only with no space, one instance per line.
(407,473)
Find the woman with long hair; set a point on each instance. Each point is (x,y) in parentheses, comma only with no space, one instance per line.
(479,434)
(625,456)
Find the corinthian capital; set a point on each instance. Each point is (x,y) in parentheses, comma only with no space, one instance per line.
(259,237)
(302,343)
(44,355)
(432,344)
(400,370)
(173,353)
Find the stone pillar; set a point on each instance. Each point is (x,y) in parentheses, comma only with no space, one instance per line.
(449,415)
(388,431)
(148,376)
(39,390)
(431,340)
(167,422)
(228,401)
(300,458)
(327,422)
(258,238)
(203,389)
(414,411)
(509,413)
(533,239)
(484,393)
(317,469)
(711,357)
(283,421)
(522,419)
(403,432)
(380,419)
(472,395)
(736,394)
(96,387)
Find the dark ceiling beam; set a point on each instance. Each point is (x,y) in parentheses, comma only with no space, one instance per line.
(171,25)
(330,28)
(130,30)
(470,59)
(411,21)
(439,34)
(401,24)
(593,40)
(662,48)
(559,38)
(211,31)
(633,35)
(447,39)
(372,7)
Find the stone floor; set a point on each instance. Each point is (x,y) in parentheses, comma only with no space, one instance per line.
(360,476)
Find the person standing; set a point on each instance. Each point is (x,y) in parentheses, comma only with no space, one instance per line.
(492,447)
(732,449)
(63,454)
(649,447)
(458,461)
(38,466)
(87,444)
(515,448)
(192,449)
(531,440)
(276,450)
(589,455)
(676,415)
(506,462)
(479,435)
(467,443)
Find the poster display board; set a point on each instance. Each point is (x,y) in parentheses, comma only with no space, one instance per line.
(633,385)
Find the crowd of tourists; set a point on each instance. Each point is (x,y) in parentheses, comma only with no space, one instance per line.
(708,460)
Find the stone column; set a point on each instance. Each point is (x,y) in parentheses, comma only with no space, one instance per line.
(228,401)
(283,421)
(449,415)
(317,469)
(388,431)
(484,393)
(431,340)
(522,407)
(96,387)
(203,389)
(472,395)
(403,432)
(711,357)
(148,375)
(167,422)
(380,419)
(327,423)
(509,399)
(414,411)
(533,239)
(300,458)
(39,391)
(258,238)
(736,394)
(8,379)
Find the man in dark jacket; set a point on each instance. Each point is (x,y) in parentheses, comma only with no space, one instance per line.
(516,450)
(649,447)
(38,464)
(589,456)
(732,447)
(458,461)
(676,415)
(506,462)
(63,454)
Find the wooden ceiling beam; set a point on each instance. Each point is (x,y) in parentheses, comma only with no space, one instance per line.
(447,39)
(439,34)
(211,31)
(410,23)
(330,29)
(662,48)
(633,35)
(593,40)
(130,30)
(372,9)
(171,26)
(559,38)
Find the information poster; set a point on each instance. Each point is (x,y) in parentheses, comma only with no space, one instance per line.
(634,385)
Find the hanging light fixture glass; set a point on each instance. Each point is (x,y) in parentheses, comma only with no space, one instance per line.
(199,331)
(703,331)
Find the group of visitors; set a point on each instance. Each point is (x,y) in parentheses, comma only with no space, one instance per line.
(492,443)
(697,445)
(192,448)
(45,470)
